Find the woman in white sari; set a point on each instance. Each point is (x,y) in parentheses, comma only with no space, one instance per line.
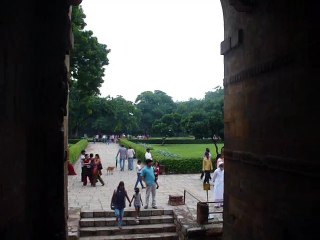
(218,181)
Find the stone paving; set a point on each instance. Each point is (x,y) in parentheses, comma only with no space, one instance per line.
(99,197)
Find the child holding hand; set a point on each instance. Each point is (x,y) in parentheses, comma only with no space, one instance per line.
(137,203)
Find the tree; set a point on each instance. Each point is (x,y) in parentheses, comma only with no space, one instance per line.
(87,61)
(88,57)
(153,105)
(197,124)
(127,116)
(168,126)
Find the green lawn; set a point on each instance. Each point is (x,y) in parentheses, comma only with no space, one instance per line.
(188,150)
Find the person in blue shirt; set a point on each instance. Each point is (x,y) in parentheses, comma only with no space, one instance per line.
(148,177)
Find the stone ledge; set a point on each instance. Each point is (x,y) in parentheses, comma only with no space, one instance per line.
(188,228)
(73,223)
(175,200)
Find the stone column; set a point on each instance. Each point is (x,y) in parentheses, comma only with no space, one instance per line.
(271,131)
(33,86)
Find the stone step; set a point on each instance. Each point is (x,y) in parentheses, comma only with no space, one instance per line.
(111,221)
(135,229)
(127,213)
(162,236)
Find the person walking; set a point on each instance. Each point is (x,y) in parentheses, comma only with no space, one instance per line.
(218,189)
(207,150)
(87,170)
(131,154)
(207,167)
(137,203)
(118,202)
(148,177)
(97,170)
(123,155)
(139,179)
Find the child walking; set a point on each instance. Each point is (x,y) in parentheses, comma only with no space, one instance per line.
(139,179)
(137,203)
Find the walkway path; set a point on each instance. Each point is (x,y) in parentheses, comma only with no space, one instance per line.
(98,198)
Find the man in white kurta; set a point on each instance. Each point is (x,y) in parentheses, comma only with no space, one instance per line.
(218,181)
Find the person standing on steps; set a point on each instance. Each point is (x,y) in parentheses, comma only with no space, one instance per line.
(118,200)
(148,177)
(123,155)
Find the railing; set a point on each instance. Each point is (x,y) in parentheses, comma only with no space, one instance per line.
(215,212)
(205,202)
(184,196)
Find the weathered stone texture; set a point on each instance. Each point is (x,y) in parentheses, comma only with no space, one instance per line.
(271,168)
(33,91)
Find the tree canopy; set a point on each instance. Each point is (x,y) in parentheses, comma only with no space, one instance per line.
(152,113)
(87,61)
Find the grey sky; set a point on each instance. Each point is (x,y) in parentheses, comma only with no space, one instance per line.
(168,45)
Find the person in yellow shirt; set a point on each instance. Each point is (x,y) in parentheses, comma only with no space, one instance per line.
(207,167)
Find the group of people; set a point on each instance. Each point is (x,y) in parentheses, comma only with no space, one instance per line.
(217,177)
(91,167)
(147,174)
(147,177)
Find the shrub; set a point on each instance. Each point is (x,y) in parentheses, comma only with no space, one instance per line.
(174,141)
(75,150)
(173,162)
(74,140)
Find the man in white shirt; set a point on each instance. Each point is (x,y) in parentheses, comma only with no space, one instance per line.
(131,154)
(82,157)
(148,154)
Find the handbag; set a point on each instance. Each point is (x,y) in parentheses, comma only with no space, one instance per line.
(112,206)
(99,166)
(206,186)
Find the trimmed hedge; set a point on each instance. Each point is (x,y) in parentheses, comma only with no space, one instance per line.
(173,141)
(75,150)
(173,163)
(73,141)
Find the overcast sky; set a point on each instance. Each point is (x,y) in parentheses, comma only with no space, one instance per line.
(167,45)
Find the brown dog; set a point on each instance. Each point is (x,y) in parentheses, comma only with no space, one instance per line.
(110,170)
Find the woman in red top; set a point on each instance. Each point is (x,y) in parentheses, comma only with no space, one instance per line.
(156,172)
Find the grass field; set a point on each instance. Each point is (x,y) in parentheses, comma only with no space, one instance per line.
(188,150)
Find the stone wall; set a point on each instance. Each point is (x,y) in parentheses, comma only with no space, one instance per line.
(33,86)
(271,132)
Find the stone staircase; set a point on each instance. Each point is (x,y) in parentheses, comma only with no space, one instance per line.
(153,224)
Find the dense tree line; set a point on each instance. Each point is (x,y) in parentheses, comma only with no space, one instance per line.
(153,112)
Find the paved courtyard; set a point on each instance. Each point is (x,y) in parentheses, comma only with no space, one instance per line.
(99,197)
